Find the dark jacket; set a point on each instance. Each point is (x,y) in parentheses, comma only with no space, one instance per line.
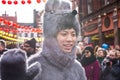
(1,52)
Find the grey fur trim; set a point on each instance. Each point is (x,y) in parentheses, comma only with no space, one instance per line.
(33,70)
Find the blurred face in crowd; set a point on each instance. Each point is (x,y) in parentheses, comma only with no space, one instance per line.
(87,53)
(66,39)
(27,48)
(81,45)
(112,54)
(117,47)
(118,54)
(100,53)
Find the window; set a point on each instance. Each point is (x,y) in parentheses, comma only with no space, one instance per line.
(107,2)
(89,6)
(26,35)
(32,34)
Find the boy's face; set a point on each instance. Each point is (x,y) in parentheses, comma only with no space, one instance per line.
(66,39)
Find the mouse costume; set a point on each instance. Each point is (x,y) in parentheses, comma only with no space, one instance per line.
(56,64)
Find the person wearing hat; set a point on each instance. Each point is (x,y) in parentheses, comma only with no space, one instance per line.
(58,58)
(30,46)
(90,63)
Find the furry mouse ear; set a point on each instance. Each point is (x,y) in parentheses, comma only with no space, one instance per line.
(33,70)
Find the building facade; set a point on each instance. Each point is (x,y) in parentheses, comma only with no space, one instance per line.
(15,33)
(100,21)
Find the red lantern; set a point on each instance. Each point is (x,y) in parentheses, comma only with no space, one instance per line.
(9,23)
(32,30)
(9,2)
(18,26)
(1,19)
(5,22)
(29,28)
(38,1)
(3,2)
(15,2)
(23,2)
(29,1)
(14,24)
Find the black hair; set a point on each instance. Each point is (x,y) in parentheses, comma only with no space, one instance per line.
(68,21)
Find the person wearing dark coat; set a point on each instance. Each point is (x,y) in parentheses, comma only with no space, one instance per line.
(58,58)
(13,66)
(111,66)
(90,63)
(30,46)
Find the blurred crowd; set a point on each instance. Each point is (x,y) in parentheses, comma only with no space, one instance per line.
(100,62)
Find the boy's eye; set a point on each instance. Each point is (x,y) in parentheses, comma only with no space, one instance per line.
(73,34)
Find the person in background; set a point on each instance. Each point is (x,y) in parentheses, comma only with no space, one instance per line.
(61,30)
(90,63)
(117,47)
(111,66)
(101,54)
(30,47)
(38,48)
(2,46)
(79,50)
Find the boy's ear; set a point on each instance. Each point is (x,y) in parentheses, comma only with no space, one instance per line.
(33,70)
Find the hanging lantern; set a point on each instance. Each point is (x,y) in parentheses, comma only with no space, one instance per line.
(29,1)
(38,1)
(9,23)
(15,2)
(5,22)
(17,26)
(3,2)
(9,2)
(14,24)
(33,30)
(23,2)
(1,19)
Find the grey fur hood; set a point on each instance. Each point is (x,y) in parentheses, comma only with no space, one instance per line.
(55,64)
(58,13)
